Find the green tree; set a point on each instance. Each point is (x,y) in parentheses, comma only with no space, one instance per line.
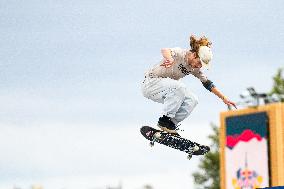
(208,175)
(278,85)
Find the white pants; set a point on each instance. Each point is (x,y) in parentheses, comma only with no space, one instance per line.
(178,101)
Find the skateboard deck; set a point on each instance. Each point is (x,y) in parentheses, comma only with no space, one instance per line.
(173,141)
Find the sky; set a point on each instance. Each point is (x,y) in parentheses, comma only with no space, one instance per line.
(71,104)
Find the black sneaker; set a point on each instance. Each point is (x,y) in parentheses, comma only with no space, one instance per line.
(166,124)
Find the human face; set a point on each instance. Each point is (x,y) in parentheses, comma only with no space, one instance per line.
(194,61)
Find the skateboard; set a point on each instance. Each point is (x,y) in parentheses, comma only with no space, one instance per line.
(173,141)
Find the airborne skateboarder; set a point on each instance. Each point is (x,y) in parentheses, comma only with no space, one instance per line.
(162,82)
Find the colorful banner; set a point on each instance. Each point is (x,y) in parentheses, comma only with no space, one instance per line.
(246,152)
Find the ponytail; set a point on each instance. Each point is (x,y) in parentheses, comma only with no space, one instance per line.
(195,43)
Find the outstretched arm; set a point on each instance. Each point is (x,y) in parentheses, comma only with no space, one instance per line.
(224,98)
(209,85)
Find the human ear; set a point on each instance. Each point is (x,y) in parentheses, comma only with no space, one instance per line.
(195,55)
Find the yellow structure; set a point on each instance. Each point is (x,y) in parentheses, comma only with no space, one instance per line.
(275,114)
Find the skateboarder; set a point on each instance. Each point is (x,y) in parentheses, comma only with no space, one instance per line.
(162,82)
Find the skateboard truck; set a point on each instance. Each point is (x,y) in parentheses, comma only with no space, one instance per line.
(156,137)
(192,150)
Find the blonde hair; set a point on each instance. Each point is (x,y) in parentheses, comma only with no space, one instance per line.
(195,43)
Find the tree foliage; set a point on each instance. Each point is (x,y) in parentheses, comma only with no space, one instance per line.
(208,175)
(278,85)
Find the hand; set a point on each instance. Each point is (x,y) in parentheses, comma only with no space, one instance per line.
(168,62)
(229,103)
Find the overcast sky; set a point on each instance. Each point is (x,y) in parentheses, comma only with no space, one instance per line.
(70,99)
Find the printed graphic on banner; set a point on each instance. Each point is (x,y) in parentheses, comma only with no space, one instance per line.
(247,178)
(246,151)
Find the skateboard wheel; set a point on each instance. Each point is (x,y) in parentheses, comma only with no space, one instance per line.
(195,148)
(151,144)
(189,156)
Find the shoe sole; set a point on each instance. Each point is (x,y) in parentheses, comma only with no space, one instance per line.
(167,130)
